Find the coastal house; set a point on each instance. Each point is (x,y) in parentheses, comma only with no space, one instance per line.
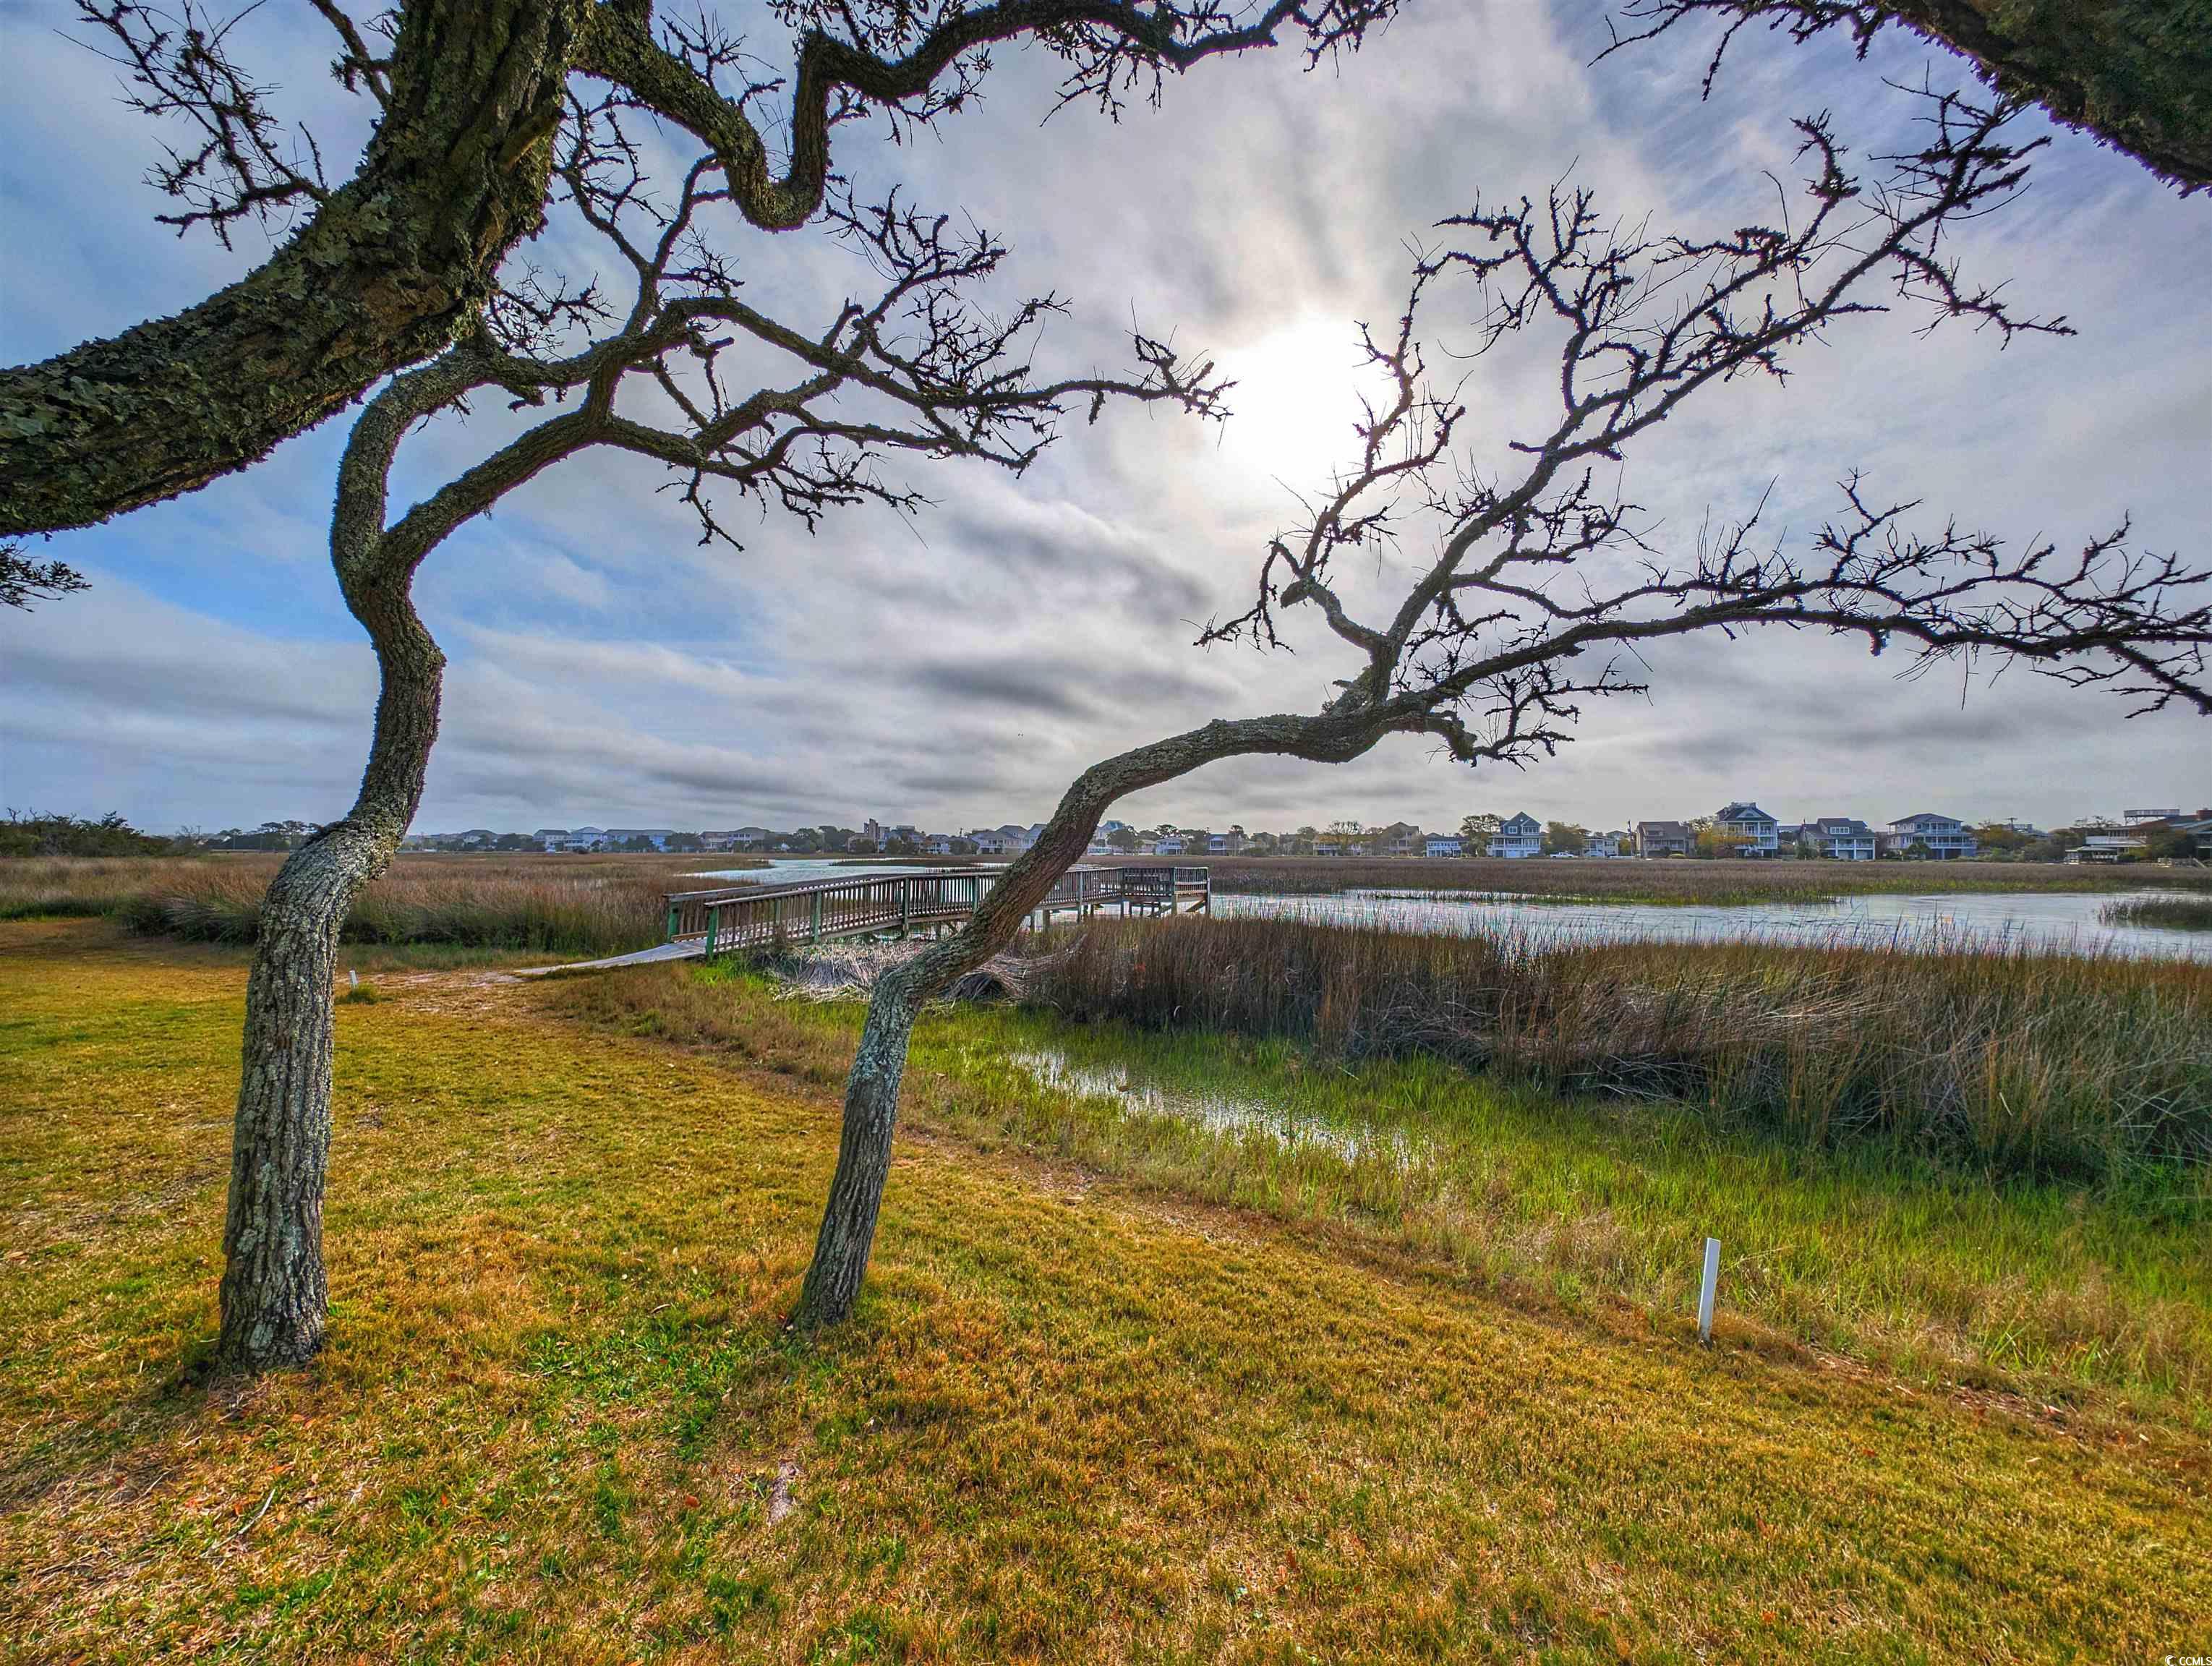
(1663,838)
(1840,838)
(1605,844)
(1760,833)
(1400,839)
(1225,844)
(658,837)
(1517,836)
(936,844)
(1168,844)
(2108,848)
(585,838)
(1442,844)
(1944,838)
(549,838)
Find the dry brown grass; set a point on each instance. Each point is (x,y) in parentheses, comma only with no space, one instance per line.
(559,1419)
(582,905)
(1676,881)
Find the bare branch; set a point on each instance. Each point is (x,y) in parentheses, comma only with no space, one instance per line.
(240,164)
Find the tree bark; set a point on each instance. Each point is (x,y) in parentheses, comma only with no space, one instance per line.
(275,1299)
(842,1245)
(389,268)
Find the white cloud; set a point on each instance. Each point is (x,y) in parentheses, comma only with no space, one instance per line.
(961,668)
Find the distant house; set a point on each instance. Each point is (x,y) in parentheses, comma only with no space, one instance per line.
(1945,838)
(1840,838)
(936,844)
(2108,848)
(1761,832)
(1442,844)
(1517,836)
(1663,838)
(585,838)
(550,838)
(1605,844)
(988,841)
(1168,844)
(1400,839)
(1225,844)
(656,837)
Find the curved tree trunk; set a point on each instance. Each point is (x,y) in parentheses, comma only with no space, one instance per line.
(864,1149)
(274,1297)
(383,275)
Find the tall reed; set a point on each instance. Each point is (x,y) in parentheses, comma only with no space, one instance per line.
(2180,914)
(2014,1061)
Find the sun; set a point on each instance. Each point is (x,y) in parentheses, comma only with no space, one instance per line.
(1296,399)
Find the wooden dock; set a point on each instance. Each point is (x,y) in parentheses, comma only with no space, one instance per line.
(756,916)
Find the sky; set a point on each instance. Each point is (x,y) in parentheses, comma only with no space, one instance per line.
(959,666)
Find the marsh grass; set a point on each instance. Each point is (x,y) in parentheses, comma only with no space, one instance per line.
(1995,1058)
(582,905)
(1685,883)
(2179,913)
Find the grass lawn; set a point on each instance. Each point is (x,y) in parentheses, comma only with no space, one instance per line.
(1078,1417)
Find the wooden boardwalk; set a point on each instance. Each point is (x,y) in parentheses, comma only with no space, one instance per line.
(756,916)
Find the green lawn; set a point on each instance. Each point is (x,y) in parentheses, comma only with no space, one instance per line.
(1080,1416)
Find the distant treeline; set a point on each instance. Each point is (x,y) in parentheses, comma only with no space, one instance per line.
(25,834)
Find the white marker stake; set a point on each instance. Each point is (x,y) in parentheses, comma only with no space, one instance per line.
(355,976)
(1705,1290)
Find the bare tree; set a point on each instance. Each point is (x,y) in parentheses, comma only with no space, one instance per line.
(913,368)
(382,271)
(1541,580)
(2132,72)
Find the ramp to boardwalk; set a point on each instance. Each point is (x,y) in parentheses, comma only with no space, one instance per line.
(756,916)
(734,918)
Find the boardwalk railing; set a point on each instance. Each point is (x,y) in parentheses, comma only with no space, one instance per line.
(756,916)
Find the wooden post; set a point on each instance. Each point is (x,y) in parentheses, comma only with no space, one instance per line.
(814,925)
(672,912)
(714,919)
(905,906)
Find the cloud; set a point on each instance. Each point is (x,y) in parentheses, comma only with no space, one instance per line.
(960,667)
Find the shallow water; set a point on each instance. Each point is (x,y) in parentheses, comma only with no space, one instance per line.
(1215,1111)
(2055,921)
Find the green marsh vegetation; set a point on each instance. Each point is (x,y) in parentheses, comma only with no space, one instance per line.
(2085,1272)
(2180,914)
